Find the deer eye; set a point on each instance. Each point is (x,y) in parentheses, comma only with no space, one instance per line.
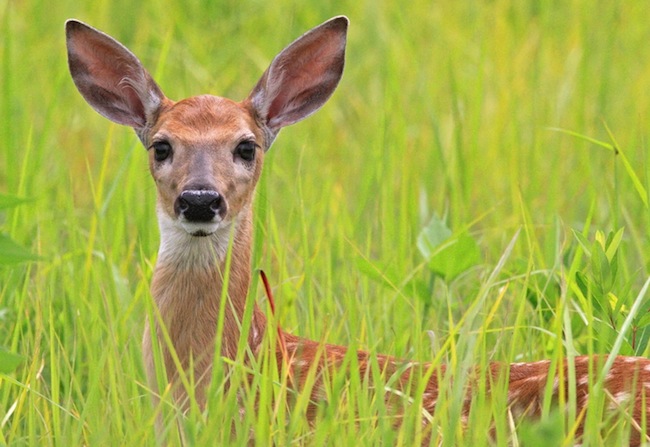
(161,150)
(246,150)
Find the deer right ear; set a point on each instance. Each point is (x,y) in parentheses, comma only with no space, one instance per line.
(110,77)
(302,77)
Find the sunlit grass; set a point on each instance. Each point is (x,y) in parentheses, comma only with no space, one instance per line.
(446,108)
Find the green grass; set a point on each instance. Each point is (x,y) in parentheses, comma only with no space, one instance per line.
(447,108)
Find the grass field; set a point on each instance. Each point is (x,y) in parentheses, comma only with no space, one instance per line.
(511,121)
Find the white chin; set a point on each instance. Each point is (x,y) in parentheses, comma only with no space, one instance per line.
(200,229)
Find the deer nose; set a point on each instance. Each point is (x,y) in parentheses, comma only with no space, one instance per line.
(199,205)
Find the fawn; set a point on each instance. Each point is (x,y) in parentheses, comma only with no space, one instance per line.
(205,156)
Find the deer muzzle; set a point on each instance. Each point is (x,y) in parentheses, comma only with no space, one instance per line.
(200,210)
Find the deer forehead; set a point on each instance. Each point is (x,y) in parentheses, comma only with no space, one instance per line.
(206,121)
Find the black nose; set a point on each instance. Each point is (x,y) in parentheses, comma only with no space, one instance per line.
(199,205)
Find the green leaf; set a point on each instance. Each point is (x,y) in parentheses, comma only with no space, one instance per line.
(9,361)
(456,256)
(643,321)
(447,255)
(618,151)
(613,242)
(642,339)
(432,236)
(542,292)
(12,253)
(384,275)
(623,331)
(584,242)
(602,273)
(584,137)
(9,201)
(548,428)
(638,185)
(582,281)
(644,318)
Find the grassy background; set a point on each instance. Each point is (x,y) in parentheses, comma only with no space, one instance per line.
(445,108)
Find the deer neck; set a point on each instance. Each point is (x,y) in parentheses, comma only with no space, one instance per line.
(188,288)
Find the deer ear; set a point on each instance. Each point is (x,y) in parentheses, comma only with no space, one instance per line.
(302,77)
(110,77)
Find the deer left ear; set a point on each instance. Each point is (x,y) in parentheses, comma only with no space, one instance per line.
(302,77)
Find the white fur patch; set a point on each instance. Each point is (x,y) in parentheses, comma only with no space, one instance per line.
(622,397)
(180,248)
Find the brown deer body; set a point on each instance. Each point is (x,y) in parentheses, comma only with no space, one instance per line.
(205,155)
